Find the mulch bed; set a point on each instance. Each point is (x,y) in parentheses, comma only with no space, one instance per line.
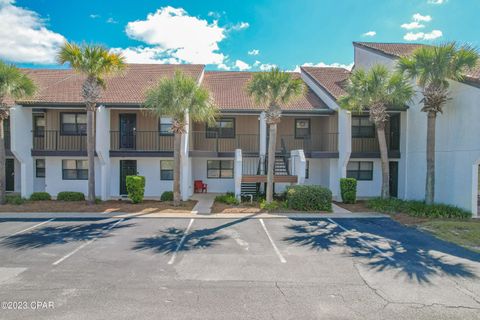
(147,206)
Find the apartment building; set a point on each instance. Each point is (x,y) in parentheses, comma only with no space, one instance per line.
(317,142)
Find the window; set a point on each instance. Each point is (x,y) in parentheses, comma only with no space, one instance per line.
(38,125)
(220,169)
(307,169)
(360,170)
(165,126)
(223,128)
(74,169)
(166,169)
(362,127)
(302,128)
(73,123)
(40,168)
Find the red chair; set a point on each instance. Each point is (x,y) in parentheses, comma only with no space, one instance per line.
(199,186)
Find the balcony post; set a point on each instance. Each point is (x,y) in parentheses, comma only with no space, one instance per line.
(263,141)
(237,171)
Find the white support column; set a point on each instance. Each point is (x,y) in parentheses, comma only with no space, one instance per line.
(344,149)
(21,146)
(102,147)
(185,172)
(238,172)
(299,164)
(263,141)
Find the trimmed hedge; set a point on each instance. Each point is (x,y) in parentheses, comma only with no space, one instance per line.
(135,188)
(70,196)
(228,198)
(167,196)
(418,208)
(14,199)
(40,196)
(309,198)
(348,190)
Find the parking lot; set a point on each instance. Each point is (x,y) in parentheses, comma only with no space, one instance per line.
(249,268)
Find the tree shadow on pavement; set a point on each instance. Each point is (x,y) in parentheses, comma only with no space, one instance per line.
(409,251)
(53,235)
(167,241)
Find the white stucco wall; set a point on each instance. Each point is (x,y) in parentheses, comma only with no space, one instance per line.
(199,172)
(38,183)
(55,184)
(370,188)
(147,167)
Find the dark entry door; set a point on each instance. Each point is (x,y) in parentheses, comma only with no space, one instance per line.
(393,179)
(127,168)
(9,175)
(128,123)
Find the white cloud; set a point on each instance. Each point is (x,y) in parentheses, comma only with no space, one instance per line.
(437,1)
(112,20)
(370,34)
(254,52)
(223,66)
(324,65)
(256,63)
(172,32)
(241,65)
(146,55)
(412,25)
(267,66)
(415,36)
(94,16)
(240,26)
(24,37)
(419,17)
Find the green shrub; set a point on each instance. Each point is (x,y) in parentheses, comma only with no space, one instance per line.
(15,199)
(269,206)
(417,208)
(167,196)
(70,196)
(135,188)
(40,196)
(228,198)
(309,198)
(348,190)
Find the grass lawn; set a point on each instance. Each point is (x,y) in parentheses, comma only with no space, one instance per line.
(464,233)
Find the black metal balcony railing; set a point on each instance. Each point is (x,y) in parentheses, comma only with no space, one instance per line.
(53,140)
(326,142)
(141,141)
(201,141)
(370,145)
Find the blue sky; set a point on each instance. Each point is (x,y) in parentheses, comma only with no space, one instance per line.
(229,35)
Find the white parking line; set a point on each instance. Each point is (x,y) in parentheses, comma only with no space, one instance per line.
(282,259)
(84,245)
(30,228)
(363,241)
(180,244)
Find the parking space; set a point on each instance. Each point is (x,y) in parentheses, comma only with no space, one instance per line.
(234,268)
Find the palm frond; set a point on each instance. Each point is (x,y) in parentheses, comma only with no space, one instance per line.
(14,83)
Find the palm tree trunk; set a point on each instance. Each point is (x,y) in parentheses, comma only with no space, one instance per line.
(430,180)
(91,152)
(382,142)
(272,141)
(176,171)
(2,163)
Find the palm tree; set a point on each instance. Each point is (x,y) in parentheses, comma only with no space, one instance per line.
(271,89)
(432,67)
(377,89)
(95,62)
(180,97)
(17,85)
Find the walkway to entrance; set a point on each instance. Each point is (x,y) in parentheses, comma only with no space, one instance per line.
(205,202)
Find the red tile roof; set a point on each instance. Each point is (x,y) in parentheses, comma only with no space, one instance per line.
(64,86)
(405,49)
(331,80)
(228,90)
(391,49)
